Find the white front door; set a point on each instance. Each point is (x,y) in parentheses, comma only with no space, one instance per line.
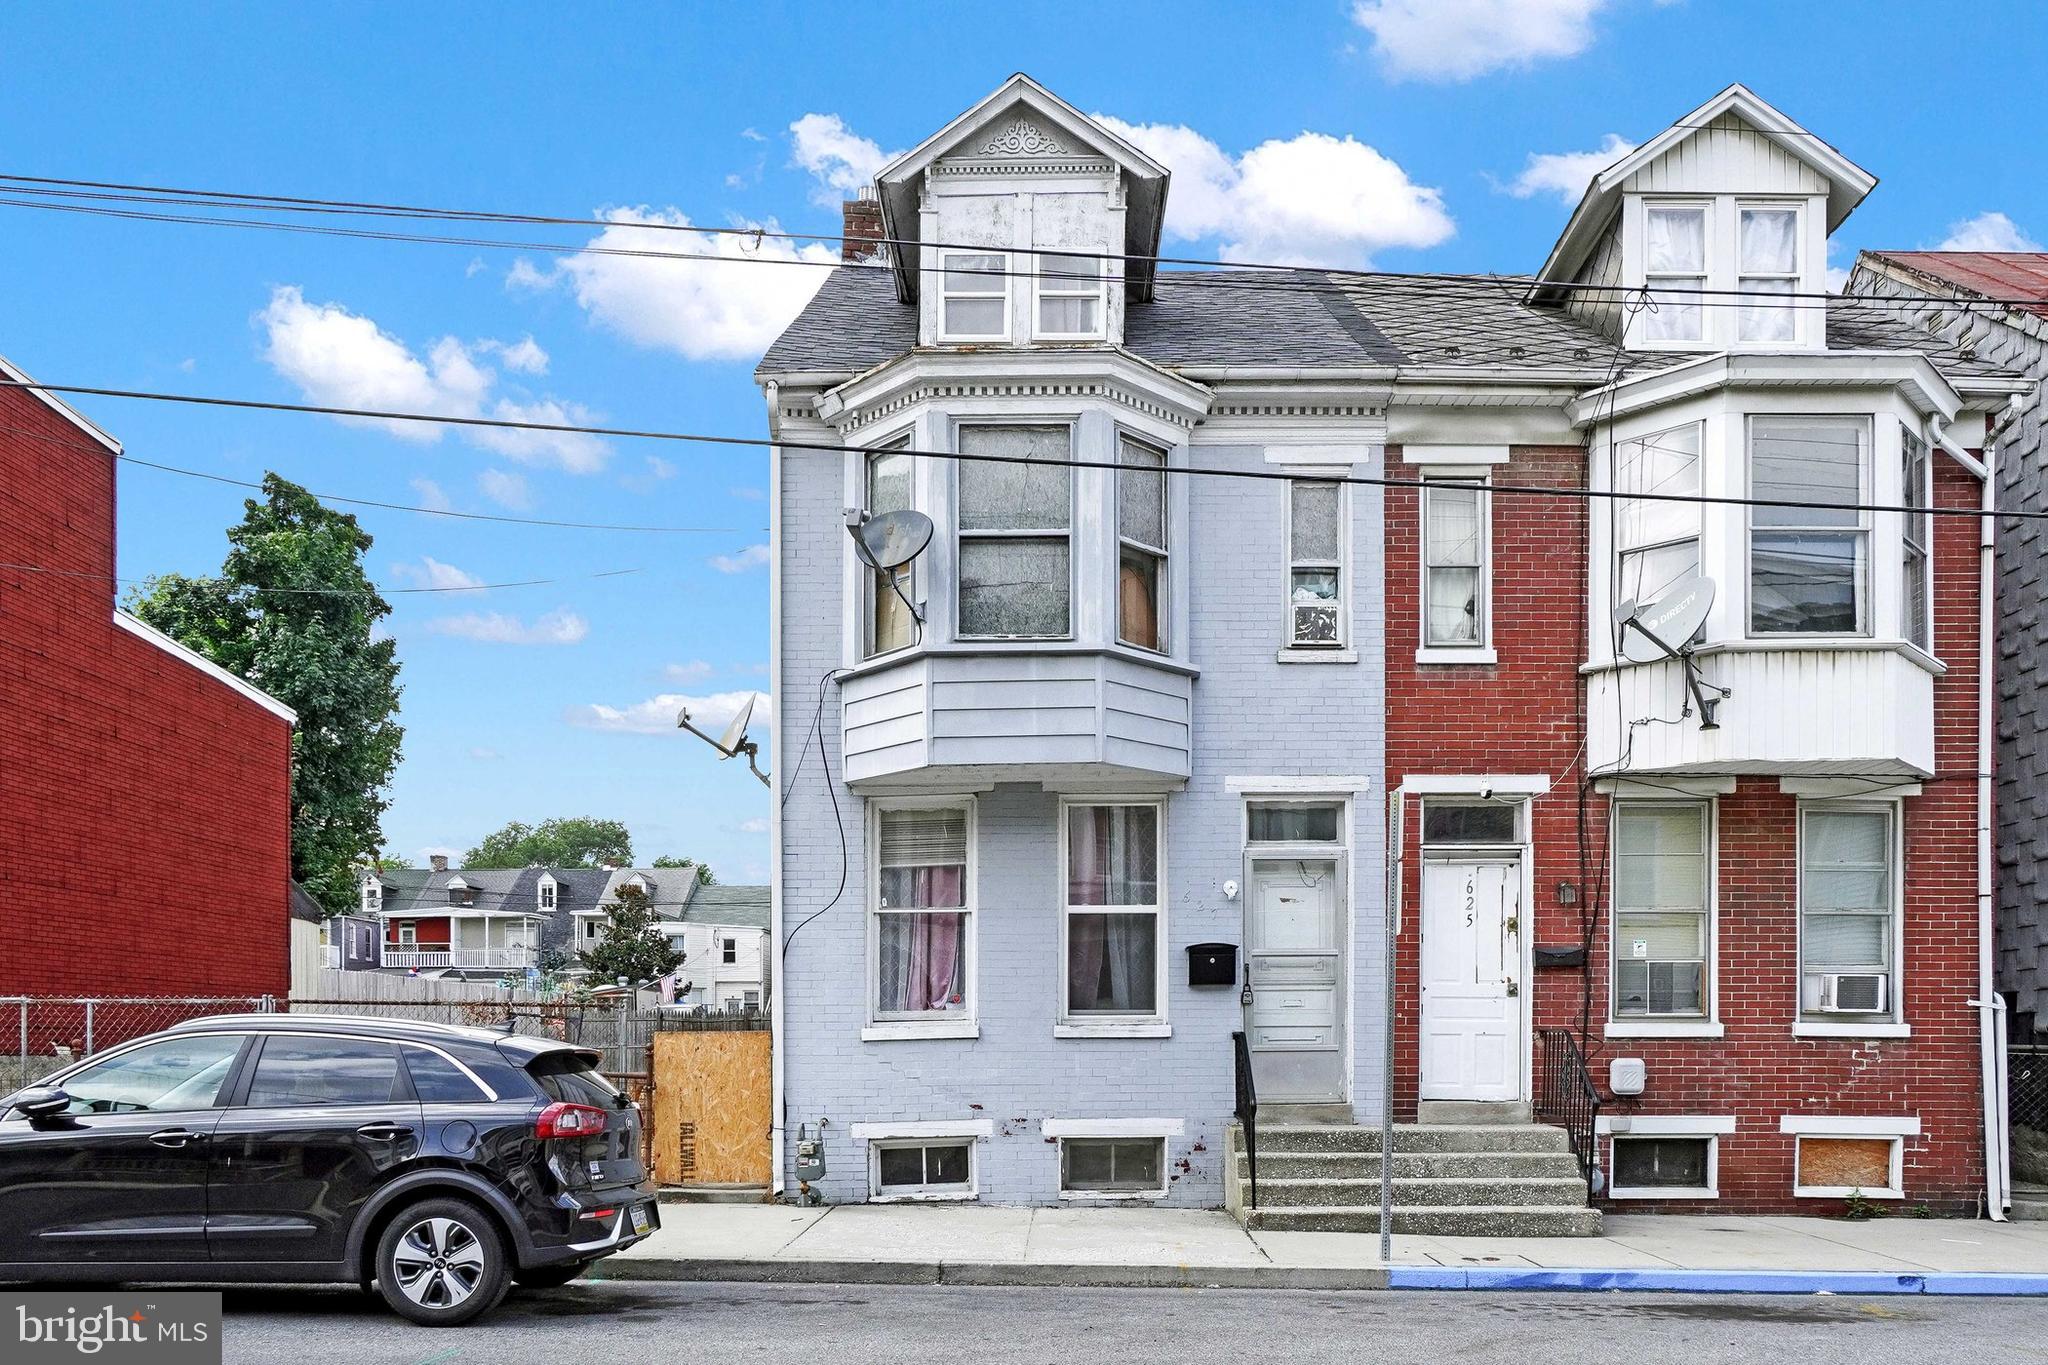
(1472,979)
(1296,969)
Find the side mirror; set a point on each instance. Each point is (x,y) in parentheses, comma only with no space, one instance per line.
(42,1101)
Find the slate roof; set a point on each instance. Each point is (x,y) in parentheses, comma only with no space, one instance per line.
(743,907)
(1480,325)
(304,907)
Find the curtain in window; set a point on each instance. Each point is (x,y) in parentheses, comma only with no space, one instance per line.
(1677,240)
(1112,860)
(920,912)
(1451,543)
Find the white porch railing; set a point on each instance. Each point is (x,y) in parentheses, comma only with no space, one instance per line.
(461,957)
(412,957)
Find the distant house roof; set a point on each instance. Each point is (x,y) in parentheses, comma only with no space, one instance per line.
(2011,275)
(742,907)
(304,907)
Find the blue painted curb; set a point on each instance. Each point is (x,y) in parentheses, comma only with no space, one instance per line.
(1676,1281)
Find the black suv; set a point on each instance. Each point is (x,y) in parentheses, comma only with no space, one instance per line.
(438,1163)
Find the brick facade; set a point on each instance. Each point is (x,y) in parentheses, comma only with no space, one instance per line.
(147,805)
(1522,716)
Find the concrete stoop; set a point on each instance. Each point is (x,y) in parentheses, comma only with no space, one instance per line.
(2029,1202)
(1449,1180)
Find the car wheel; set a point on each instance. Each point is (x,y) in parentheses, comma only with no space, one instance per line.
(441,1263)
(549,1276)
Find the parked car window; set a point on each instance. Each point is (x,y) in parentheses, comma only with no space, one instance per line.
(436,1080)
(572,1079)
(295,1071)
(168,1075)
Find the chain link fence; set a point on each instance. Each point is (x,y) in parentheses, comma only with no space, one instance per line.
(2027,1085)
(40,1034)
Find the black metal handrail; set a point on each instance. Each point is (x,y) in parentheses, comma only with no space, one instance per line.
(1247,1109)
(1565,1096)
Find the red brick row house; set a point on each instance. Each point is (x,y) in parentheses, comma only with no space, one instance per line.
(1688,799)
(145,793)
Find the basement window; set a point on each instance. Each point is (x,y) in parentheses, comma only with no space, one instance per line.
(923,1170)
(1837,1167)
(1127,1167)
(1663,1167)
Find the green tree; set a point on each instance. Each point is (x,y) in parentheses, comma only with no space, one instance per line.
(704,877)
(630,945)
(294,613)
(570,841)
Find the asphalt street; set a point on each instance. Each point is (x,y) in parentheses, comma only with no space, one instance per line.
(853,1326)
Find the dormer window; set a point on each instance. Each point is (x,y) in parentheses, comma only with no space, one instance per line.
(1769,252)
(459,893)
(1069,296)
(976,298)
(1674,258)
(373,897)
(547,893)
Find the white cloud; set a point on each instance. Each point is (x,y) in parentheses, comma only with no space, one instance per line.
(485,754)
(757,825)
(657,715)
(728,307)
(1456,40)
(432,573)
(431,495)
(749,494)
(1311,199)
(558,627)
(840,160)
(341,359)
(753,557)
(1987,232)
(509,491)
(1566,174)
(697,670)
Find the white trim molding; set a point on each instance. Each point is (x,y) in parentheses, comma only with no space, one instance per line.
(1665,788)
(205,665)
(1841,1125)
(1468,784)
(910,1030)
(1463,457)
(1296,786)
(1455,654)
(1829,1028)
(1893,1130)
(1113,1128)
(889,1130)
(1323,458)
(1845,788)
(1638,1027)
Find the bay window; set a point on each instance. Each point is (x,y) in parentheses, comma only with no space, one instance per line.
(1914,542)
(1112,917)
(1656,542)
(1141,544)
(1069,296)
(1016,522)
(887,478)
(1809,564)
(922,912)
(1315,563)
(975,295)
(1768,251)
(1454,564)
(1662,875)
(1674,260)
(1847,911)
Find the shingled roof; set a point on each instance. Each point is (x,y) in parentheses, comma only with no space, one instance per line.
(2021,277)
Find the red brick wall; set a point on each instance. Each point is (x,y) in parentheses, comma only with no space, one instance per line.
(433,930)
(1520,716)
(144,806)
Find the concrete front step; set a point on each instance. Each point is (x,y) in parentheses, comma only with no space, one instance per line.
(2029,1202)
(1412,1137)
(1519,1220)
(1410,1165)
(1428,1191)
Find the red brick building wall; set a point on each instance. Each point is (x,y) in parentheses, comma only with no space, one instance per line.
(1522,716)
(145,806)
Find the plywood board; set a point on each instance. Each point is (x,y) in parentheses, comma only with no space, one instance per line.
(1845,1163)
(712,1108)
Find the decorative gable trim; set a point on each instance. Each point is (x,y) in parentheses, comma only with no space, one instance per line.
(1022,137)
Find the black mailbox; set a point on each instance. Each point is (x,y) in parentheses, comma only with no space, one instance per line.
(1212,964)
(1566,955)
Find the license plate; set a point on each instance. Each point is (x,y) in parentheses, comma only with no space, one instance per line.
(640,1222)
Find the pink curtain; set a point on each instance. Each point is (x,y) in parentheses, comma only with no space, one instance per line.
(921,953)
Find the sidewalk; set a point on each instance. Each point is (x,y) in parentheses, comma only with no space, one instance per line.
(963,1244)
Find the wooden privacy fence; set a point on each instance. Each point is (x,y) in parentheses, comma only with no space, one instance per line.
(712,1107)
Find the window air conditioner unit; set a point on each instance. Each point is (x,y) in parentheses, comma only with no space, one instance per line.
(1853,993)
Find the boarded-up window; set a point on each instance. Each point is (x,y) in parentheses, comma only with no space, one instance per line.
(1844,1163)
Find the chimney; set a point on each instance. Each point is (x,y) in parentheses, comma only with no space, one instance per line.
(863,227)
(438,861)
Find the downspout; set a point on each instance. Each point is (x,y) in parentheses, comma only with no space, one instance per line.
(773,957)
(1990,1006)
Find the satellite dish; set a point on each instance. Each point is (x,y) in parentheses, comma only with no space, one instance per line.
(891,540)
(737,731)
(1660,629)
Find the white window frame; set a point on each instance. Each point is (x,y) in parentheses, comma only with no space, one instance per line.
(373,897)
(1342,565)
(1161,1130)
(870,579)
(1070,533)
(1916,554)
(1866,607)
(1066,288)
(1892,1023)
(1156,1024)
(1618,552)
(1706,1024)
(964,1192)
(408,934)
(547,894)
(1704,280)
(1802,1126)
(999,289)
(965,1021)
(1479,649)
(1709,1128)
(1162,591)
(728,952)
(1744,278)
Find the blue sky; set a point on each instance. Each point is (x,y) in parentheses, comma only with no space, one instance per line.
(1443,135)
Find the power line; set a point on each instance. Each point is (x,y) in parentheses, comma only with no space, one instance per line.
(177,196)
(1366,480)
(375,591)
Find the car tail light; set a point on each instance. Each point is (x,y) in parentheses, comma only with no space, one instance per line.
(561,1120)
